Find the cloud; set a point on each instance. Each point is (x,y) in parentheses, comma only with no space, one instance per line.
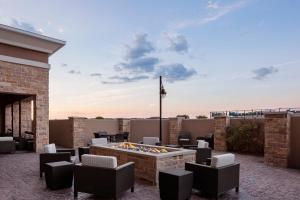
(21,25)
(61,30)
(140,47)
(64,65)
(136,59)
(139,65)
(174,72)
(96,74)
(212,5)
(74,72)
(178,43)
(217,11)
(261,73)
(124,79)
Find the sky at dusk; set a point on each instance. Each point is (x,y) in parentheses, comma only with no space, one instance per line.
(212,55)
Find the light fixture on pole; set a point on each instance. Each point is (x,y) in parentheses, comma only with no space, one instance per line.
(162,94)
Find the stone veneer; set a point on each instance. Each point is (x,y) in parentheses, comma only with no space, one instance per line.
(174,129)
(78,126)
(23,79)
(221,123)
(148,165)
(277,136)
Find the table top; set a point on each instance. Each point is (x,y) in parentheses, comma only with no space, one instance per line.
(58,164)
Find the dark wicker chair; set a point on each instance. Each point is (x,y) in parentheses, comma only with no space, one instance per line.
(60,155)
(119,137)
(208,138)
(7,147)
(126,136)
(104,182)
(201,153)
(101,134)
(184,138)
(214,181)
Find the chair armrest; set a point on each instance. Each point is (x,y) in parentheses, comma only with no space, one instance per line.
(124,177)
(71,151)
(125,165)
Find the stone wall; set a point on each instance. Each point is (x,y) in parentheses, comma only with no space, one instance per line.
(277,136)
(28,80)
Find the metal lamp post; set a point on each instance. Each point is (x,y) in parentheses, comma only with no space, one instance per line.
(162,93)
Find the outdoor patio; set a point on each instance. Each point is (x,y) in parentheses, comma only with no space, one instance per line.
(20,180)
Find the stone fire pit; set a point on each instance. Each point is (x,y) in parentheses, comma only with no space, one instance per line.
(149,160)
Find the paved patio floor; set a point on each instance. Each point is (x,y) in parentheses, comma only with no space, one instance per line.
(19,179)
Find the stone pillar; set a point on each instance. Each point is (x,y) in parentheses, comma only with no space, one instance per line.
(277,138)
(78,126)
(221,123)
(174,129)
(124,125)
(41,122)
(26,122)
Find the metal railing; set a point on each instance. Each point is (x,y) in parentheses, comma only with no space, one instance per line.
(254,113)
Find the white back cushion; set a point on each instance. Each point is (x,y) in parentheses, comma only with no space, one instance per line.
(50,148)
(99,141)
(99,161)
(202,144)
(150,140)
(222,160)
(6,138)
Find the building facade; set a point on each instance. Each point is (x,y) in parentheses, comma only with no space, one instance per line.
(24,83)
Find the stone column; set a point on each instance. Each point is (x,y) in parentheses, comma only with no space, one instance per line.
(124,125)
(277,138)
(41,121)
(174,129)
(26,122)
(221,123)
(78,126)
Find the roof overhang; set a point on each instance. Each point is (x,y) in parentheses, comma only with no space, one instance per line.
(28,40)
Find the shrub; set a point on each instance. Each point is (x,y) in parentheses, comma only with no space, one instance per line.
(99,117)
(246,137)
(201,117)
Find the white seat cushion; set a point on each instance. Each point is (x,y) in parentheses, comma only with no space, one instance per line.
(99,141)
(202,144)
(99,161)
(150,140)
(184,139)
(222,160)
(6,138)
(50,148)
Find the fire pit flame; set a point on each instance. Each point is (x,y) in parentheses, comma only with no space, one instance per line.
(142,148)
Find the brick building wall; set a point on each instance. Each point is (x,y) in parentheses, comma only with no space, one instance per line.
(24,79)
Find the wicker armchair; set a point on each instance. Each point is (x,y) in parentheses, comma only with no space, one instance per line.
(221,176)
(7,145)
(54,155)
(106,180)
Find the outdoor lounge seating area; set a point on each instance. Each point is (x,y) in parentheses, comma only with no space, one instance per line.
(133,118)
(257,181)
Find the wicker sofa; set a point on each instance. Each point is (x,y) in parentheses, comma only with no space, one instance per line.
(100,175)
(7,145)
